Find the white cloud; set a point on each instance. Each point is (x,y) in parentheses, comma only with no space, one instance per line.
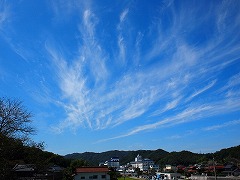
(137,53)
(201,90)
(194,113)
(170,105)
(90,21)
(123,15)
(64,10)
(232,82)
(97,96)
(220,126)
(122,51)
(4,13)
(121,29)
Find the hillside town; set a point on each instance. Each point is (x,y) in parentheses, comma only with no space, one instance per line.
(145,168)
(140,168)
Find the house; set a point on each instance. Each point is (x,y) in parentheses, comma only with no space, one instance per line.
(55,169)
(93,173)
(180,168)
(231,170)
(192,169)
(30,171)
(170,168)
(24,170)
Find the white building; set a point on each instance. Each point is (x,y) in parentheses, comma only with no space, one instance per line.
(96,173)
(138,158)
(113,162)
(143,164)
(168,176)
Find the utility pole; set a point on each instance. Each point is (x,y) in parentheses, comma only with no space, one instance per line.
(124,172)
(214,168)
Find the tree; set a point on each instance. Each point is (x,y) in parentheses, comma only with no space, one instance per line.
(15,120)
(15,128)
(138,171)
(71,169)
(78,163)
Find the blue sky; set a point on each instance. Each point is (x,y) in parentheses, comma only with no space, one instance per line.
(126,75)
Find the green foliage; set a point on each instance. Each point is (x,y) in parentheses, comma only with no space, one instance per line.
(78,163)
(70,170)
(14,151)
(8,155)
(137,170)
(124,156)
(126,178)
(162,157)
(113,173)
(228,155)
(183,158)
(16,147)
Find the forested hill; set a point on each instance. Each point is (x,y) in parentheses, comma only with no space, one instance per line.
(161,157)
(125,156)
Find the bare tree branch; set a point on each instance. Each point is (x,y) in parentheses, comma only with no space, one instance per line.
(15,120)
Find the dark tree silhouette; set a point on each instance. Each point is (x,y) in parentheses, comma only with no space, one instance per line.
(15,120)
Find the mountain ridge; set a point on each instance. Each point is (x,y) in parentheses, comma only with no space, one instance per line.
(161,156)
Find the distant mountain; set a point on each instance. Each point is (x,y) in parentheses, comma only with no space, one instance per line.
(125,156)
(230,154)
(160,156)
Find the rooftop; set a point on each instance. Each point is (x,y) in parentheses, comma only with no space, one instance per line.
(91,169)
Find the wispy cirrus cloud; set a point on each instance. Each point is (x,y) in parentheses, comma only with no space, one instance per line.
(5,30)
(194,113)
(121,39)
(4,13)
(182,135)
(201,90)
(123,15)
(170,105)
(162,78)
(182,117)
(220,126)
(233,82)
(126,70)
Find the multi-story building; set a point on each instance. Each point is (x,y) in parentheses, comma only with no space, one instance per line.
(113,162)
(143,164)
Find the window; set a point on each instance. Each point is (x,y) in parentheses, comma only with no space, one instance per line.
(103,176)
(82,177)
(95,176)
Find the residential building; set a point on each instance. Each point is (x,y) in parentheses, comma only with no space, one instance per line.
(170,168)
(24,170)
(231,170)
(30,171)
(93,173)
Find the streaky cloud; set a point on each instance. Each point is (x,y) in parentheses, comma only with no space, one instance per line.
(123,15)
(201,90)
(224,125)
(4,13)
(164,73)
